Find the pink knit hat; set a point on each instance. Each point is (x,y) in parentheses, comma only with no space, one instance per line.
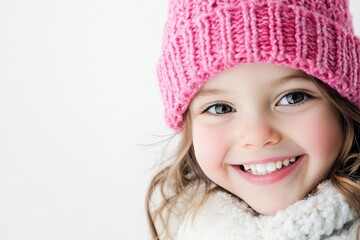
(205,37)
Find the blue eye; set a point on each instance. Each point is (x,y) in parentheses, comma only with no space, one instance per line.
(293,98)
(219,109)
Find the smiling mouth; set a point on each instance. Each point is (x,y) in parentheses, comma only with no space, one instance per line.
(268,168)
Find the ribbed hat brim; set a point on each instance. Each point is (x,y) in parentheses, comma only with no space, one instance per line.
(196,49)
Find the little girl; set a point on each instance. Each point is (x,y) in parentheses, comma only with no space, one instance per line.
(265,95)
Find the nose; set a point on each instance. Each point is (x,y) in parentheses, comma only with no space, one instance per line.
(258,134)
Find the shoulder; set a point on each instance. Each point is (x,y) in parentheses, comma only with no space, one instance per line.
(178,211)
(217,218)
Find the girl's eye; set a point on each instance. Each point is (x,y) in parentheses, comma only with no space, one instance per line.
(293,98)
(218,109)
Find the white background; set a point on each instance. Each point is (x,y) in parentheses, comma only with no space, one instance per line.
(78,99)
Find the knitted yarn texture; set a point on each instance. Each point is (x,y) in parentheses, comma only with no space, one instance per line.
(204,37)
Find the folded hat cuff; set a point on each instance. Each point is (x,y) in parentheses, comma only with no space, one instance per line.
(197,48)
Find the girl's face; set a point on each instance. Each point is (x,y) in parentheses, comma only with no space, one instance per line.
(265,133)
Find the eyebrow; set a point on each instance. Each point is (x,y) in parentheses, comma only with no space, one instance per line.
(298,75)
(207,92)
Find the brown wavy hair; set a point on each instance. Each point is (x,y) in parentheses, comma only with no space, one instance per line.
(183,180)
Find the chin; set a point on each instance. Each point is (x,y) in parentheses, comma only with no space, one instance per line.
(271,208)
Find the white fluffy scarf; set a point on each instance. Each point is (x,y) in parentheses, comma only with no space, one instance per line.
(323,215)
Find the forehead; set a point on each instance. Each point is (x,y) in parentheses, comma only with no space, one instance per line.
(247,74)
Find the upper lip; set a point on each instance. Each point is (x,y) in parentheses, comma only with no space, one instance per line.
(266,160)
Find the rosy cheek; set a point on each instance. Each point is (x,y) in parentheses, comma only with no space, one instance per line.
(324,138)
(320,134)
(209,145)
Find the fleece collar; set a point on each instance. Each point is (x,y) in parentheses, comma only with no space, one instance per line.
(322,215)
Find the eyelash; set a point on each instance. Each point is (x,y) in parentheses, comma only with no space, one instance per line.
(206,109)
(306,97)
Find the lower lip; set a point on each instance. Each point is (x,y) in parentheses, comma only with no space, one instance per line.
(269,178)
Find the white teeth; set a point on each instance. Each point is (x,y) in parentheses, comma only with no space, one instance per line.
(263,169)
(270,167)
(260,168)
